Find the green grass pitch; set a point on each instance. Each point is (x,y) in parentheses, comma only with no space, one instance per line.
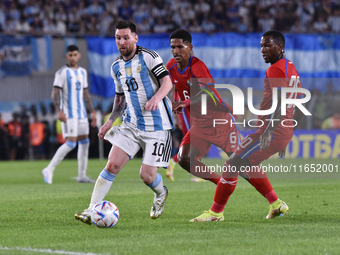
(36,218)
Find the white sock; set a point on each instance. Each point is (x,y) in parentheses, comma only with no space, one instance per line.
(60,154)
(83,156)
(157,185)
(102,187)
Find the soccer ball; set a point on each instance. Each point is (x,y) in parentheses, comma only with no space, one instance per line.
(105,214)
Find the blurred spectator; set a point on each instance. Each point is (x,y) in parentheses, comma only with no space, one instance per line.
(31,10)
(195,27)
(2,16)
(60,27)
(23,152)
(208,26)
(37,132)
(242,26)
(160,27)
(105,23)
(305,11)
(145,27)
(112,7)
(15,135)
(95,9)
(3,140)
(332,122)
(334,20)
(9,26)
(46,141)
(281,21)
(76,16)
(22,26)
(266,22)
(61,14)
(36,26)
(297,27)
(92,26)
(170,24)
(49,27)
(125,11)
(140,14)
(218,18)
(321,25)
(233,14)
(14,12)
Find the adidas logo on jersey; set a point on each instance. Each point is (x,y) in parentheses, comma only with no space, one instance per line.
(158,160)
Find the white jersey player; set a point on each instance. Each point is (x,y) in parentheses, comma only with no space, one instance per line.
(142,83)
(70,90)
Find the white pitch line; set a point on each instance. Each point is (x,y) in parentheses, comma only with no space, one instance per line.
(48,251)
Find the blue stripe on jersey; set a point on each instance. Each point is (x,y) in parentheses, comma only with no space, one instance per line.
(186,120)
(84,109)
(78,93)
(185,67)
(115,69)
(250,150)
(171,68)
(69,94)
(156,115)
(135,100)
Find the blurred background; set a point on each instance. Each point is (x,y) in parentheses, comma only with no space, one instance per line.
(226,36)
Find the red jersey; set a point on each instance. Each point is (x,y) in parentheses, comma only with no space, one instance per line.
(182,81)
(279,75)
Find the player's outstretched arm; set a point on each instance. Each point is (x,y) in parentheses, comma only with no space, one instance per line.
(88,102)
(118,107)
(165,88)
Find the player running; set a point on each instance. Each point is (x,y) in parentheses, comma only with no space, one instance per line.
(268,139)
(142,83)
(186,72)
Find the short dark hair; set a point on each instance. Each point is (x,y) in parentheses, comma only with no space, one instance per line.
(121,24)
(181,34)
(72,48)
(277,36)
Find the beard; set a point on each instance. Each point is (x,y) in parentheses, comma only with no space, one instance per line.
(126,52)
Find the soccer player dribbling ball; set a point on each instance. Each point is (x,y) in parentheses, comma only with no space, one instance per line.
(268,139)
(142,83)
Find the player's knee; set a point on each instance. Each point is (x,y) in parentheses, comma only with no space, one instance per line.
(146,177)
(71,144)
(235,160)
(112,167)
(184,161)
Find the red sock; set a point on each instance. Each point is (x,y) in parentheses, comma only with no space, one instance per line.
(224,189)
(174,158)
(202,171)
(261,183)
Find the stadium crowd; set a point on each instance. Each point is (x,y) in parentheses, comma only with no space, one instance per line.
(97,17)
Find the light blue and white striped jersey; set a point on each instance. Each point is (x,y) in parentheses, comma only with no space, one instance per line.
(138,78)
(72,82)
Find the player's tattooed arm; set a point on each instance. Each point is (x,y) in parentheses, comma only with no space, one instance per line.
(87,100)
(56,97)
(56,101)
(118,107)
